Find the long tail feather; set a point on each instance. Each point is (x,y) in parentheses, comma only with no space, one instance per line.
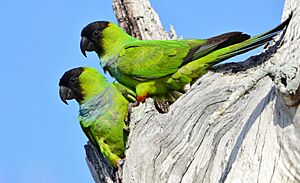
(251,43)
(234,45)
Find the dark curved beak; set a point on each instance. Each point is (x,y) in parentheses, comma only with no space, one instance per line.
(86,45)
(84,42)
(65,94)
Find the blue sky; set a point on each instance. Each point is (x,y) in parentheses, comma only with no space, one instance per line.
(40,137)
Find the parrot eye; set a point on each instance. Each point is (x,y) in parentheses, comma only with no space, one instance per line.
(72,79)
(96,33)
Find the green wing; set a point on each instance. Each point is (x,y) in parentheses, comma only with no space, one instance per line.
(152,59)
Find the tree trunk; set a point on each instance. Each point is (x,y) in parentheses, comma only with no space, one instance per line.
(229,127)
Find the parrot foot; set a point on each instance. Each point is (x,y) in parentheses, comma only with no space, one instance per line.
(135,104)
(162,106)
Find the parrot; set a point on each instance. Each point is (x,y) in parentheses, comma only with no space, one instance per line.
(102,110)
(160,68)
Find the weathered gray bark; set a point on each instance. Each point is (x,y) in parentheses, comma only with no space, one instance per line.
(138,18)
(99,167)
(240,127)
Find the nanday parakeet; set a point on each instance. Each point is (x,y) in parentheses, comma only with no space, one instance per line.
(102,112)
(156,68)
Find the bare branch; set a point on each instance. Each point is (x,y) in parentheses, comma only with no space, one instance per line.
(138,18)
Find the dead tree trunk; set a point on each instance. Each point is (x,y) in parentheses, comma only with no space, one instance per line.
(230,127)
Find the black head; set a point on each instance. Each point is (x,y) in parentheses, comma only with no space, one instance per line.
(69,85)
(91,36)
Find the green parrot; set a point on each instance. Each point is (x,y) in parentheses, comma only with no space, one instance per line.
(157,68)
(102,112)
